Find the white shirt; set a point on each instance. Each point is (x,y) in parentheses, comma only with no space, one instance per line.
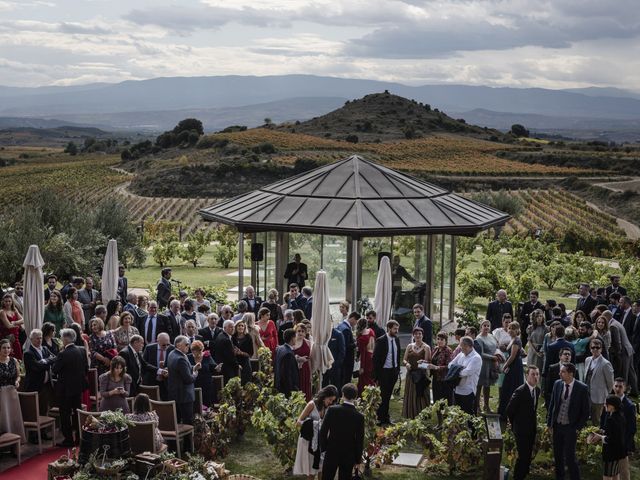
(470,374)
(502,336)
(392,353)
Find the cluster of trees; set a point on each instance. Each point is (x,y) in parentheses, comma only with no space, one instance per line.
(520,265)
(163,238)
(91,145)
(72,236)
(185,134)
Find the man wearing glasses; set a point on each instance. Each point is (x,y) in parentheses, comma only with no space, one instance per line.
(599,379)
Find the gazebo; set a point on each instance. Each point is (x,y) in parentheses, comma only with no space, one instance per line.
(343,216)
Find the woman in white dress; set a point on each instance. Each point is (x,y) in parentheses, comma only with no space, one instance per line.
(314,412)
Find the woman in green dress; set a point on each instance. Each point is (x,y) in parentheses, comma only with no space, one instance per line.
(53,311)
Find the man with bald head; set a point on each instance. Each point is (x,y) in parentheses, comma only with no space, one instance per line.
(224,352)
(156,354)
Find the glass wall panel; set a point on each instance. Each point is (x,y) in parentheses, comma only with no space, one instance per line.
(309,246)
(267,267)
(436,289)
(334,262)
(370,249)
(446,289)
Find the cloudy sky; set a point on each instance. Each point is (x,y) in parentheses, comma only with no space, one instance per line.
(520,43)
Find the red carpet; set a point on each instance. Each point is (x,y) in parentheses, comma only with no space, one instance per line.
(34,468)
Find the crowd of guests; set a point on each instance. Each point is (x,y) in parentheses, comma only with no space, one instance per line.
(583,364)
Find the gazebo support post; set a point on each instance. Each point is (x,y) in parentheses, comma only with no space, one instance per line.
(240,265)
(282,258)
(356,271)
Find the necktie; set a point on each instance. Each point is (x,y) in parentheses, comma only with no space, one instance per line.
(150,330)
(533,397)
(393,353)
(162,354)
(139,367)
(566,391)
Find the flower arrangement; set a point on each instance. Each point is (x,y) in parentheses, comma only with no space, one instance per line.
(108,422)
(364,305)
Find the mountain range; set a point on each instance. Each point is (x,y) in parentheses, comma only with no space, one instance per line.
(158,104)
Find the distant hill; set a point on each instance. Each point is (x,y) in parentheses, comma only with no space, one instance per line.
(57,136)
(174,93)
(581,128)
(381,117)
(213,119)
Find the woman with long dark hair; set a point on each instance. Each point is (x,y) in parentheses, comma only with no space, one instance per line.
(513,370)
(53,311)
(142,413)
(114,386)
(10,323)
(310,420)
(612,438)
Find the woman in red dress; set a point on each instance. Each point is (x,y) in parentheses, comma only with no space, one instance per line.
(302,351)
(268,330)
(10,323)
(365,340)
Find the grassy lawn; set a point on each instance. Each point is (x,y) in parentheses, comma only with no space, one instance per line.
(206,273)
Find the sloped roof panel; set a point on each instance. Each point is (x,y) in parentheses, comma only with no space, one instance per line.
(355,197)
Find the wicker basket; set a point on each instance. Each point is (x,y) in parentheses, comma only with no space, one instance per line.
(241,477)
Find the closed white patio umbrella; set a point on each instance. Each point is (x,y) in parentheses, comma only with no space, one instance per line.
(110,273)
(33,303)
(321,325)
(382,299)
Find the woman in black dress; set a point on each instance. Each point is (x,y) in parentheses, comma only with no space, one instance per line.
(204,380)
(613,439)
(243,346)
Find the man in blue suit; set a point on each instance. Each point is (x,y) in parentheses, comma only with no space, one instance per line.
(181,379)
(552,355)
(346,328)
(569,411)
(333,376)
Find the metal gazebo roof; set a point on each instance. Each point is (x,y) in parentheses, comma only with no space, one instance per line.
(354,197)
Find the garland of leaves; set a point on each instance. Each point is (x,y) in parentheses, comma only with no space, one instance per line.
(275,417)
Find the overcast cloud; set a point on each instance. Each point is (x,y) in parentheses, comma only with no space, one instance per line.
(520,43)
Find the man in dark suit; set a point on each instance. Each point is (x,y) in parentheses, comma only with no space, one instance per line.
(88,297)
(224,352)
(296,272)
(333,376)
(525,314)
(307,293)
(342,437)
(52,282)
(586,302)
(296,299)
(153,324)
(629,412)
(287,322)
(497,308)
(156,354)
(123,284)
(253,302)
(552,354)
(286,377)
(181,379)
(568,412)
(386,367)
(627,317)
(373,324)
(346,328)
(615,286)
(37,363)
(521,412)
(210,332)
(614,305)
(164,288)
(71,369)
(423,322)
(136,365)
(553,374)
(174,320)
